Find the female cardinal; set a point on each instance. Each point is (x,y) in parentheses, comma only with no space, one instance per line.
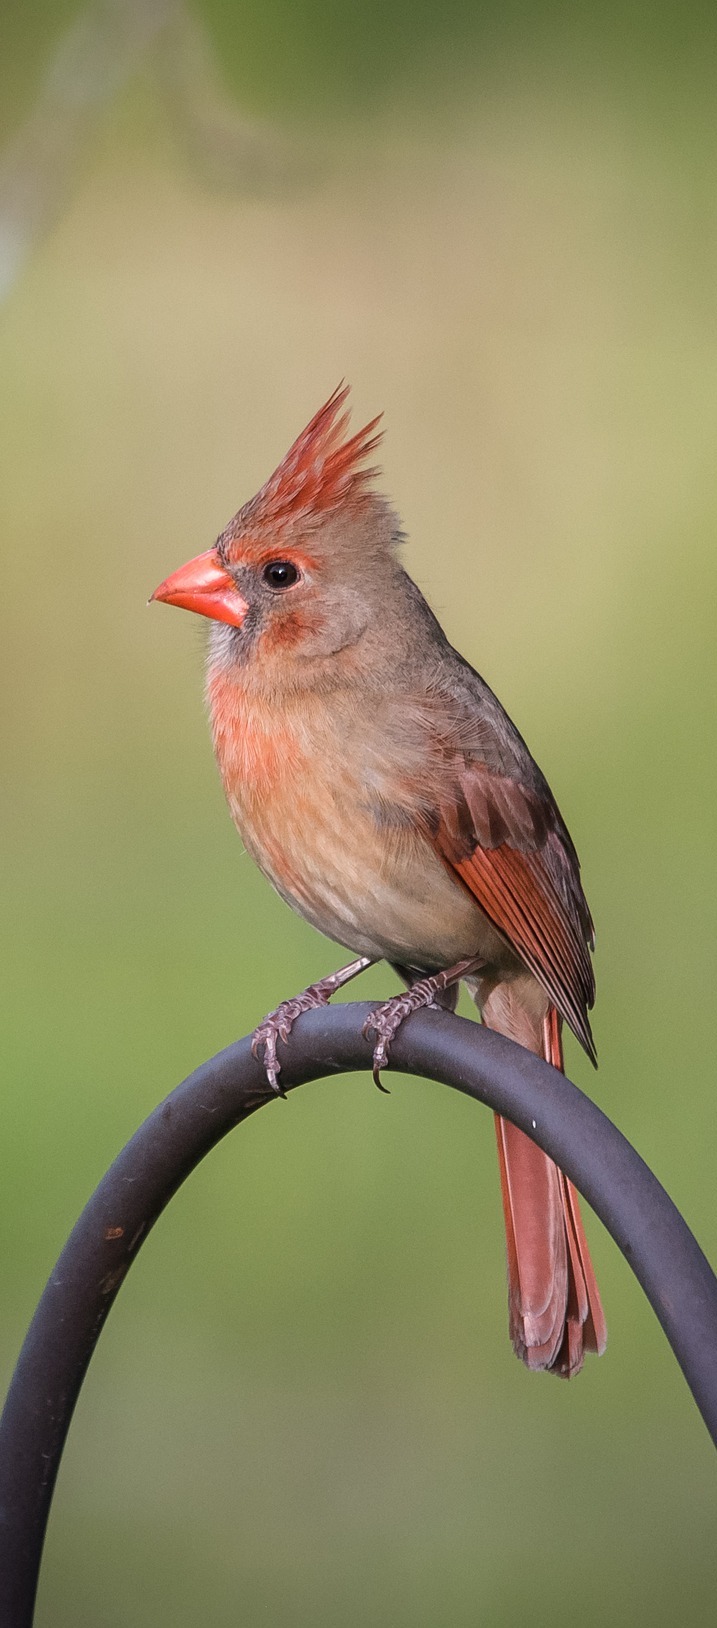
(387,796)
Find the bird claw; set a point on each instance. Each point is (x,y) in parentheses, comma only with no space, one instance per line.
(266,1036)
(387,1019)
(278,1026)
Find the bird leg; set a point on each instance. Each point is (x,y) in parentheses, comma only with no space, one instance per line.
(278,1025)
(444,1000)
(387,1019)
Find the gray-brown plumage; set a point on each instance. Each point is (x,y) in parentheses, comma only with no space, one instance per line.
(385,793)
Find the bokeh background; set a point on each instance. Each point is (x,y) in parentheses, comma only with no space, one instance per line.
(499,223)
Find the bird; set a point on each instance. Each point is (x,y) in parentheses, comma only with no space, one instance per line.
(382,789)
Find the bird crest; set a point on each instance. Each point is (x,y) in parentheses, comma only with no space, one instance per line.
(323,470)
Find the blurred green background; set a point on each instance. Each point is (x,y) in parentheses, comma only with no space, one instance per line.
(499,223)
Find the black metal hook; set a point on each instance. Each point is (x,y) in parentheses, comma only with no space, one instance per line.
(629,1200)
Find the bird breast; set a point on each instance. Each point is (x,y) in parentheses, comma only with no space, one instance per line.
(311,793)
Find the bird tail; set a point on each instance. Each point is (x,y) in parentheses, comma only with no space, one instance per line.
(553,1300)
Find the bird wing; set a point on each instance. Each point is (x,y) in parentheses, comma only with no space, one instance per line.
(508,844)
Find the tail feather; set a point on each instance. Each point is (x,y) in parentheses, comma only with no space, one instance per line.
(537,1252)
(554,1305)
(587,1309)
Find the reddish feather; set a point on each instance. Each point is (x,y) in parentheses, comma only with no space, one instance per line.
(321,471)
(555,1309)
(509,847)
(587,1293)
(517,896)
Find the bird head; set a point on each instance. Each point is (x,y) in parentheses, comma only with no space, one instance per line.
(297,572)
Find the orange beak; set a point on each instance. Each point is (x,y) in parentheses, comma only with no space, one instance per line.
(204,586)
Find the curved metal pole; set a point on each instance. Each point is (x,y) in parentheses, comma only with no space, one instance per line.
(644,1222)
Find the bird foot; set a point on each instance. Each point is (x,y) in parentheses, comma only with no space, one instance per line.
(388,1018)
(279,1024)
(386,1021)
(425,993)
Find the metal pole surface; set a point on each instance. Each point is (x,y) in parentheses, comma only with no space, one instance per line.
(635,1209)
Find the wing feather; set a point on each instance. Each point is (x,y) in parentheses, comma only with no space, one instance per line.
(508,844)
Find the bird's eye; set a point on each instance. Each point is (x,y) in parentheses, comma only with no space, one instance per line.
(280,574)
